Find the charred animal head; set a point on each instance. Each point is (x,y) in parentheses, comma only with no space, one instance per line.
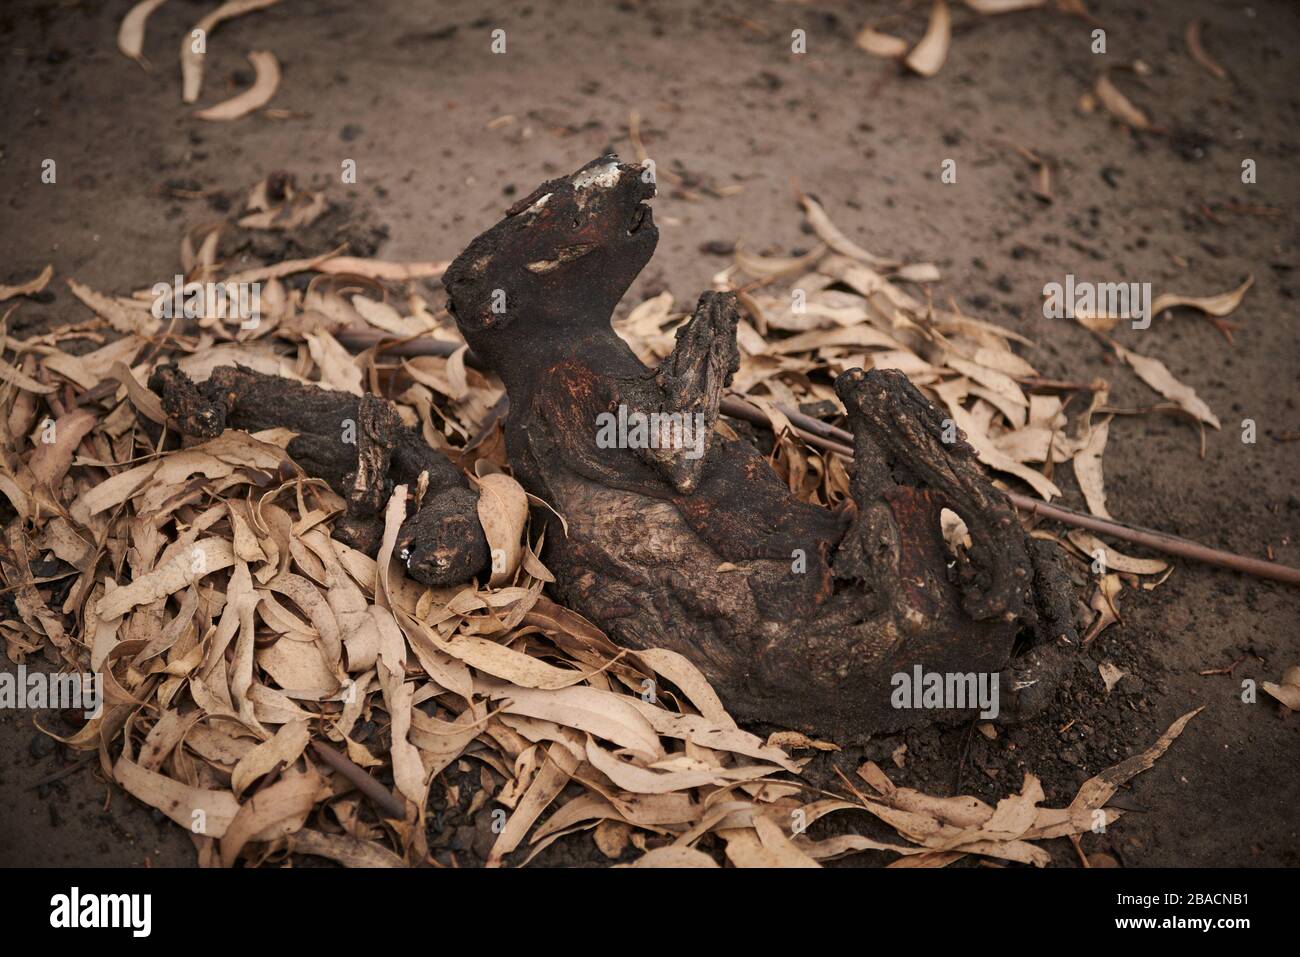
(565,253)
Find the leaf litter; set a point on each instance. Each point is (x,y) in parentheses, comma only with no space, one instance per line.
(927,56)
(193,53)
(266,81)
(239,642)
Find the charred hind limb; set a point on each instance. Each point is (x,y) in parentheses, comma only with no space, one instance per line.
(903,449)
(359,446)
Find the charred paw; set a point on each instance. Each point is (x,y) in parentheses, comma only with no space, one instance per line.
(443,543)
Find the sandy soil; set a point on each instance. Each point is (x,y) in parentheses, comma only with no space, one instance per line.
(407,88)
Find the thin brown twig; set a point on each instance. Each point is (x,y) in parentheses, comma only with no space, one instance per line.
(72,768)
(1078,849)
(1058,385)
(1228,670)
(386,801)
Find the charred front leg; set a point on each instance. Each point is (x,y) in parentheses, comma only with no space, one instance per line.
(194,411)
(359,446)
(442,542)
(684,395)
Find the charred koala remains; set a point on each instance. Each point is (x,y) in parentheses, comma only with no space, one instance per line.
(800,616)
(678,537)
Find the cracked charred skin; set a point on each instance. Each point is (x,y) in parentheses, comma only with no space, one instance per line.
(442,542)
(799,615)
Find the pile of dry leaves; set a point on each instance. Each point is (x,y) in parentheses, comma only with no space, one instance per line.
(261,679)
